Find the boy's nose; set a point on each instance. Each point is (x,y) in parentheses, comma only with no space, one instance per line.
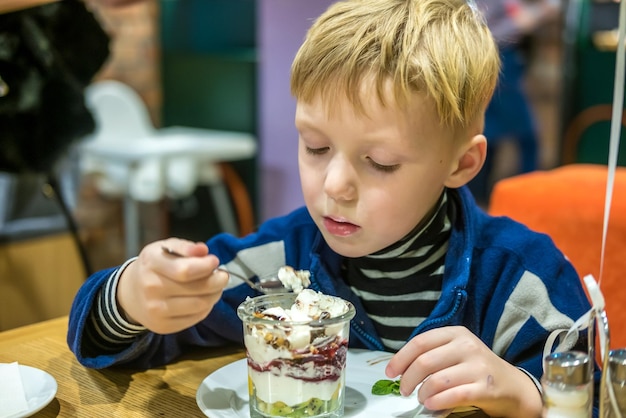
(340,180)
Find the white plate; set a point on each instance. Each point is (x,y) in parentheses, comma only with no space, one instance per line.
(39,388)
(224,393)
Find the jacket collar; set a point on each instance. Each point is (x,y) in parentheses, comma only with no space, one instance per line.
(326,277)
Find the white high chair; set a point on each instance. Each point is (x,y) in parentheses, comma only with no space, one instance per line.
(141,163)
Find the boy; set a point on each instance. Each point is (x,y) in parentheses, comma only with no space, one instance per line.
(390,102)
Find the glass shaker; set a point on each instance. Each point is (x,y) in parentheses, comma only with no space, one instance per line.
(617,367)
(567,385)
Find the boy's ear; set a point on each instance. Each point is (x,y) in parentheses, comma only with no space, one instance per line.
(469,160)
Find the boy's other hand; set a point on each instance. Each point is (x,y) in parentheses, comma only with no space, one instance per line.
(167,294)
(460,370)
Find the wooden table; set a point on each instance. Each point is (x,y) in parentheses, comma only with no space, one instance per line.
(168,391)
(162,392)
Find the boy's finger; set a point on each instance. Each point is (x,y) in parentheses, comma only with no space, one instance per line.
(184,269)
(415,348)
(175,247)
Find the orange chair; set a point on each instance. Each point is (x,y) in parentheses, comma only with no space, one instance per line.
(567,203)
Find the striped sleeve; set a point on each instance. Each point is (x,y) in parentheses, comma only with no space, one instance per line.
(106,330)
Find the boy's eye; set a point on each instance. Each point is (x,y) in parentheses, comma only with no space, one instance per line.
(316,151)
(384,168)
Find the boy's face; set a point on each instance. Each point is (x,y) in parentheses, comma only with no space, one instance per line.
(369,179)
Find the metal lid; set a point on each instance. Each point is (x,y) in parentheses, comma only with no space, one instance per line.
(617,364)
(568,367)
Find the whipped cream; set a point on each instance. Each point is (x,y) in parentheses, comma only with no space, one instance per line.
(268,342)
(309,306)
(293,279)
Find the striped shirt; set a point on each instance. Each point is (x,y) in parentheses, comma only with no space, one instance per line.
(400,285)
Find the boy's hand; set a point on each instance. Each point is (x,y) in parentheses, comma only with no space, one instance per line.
(460,370)
(167,294)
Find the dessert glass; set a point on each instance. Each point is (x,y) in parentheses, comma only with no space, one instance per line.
(296,368)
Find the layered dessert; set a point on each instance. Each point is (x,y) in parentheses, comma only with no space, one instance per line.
(296,346)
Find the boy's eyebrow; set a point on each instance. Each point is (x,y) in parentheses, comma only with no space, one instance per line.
(306,124)
(302,119)
(310,130)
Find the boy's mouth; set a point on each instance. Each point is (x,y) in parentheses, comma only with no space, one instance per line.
(340,227)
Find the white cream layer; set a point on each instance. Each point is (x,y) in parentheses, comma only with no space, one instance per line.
(272,388)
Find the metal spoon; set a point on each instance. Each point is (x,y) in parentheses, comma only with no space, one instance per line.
(267,287)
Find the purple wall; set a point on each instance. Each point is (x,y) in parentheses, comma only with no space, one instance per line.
(282,25)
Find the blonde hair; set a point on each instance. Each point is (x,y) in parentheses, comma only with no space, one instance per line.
(441,48)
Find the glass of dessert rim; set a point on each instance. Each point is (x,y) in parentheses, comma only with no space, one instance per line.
(296,367)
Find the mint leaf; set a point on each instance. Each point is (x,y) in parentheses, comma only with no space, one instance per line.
(386,387)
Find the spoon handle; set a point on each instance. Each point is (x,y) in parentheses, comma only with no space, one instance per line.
(169,251)
(272,286)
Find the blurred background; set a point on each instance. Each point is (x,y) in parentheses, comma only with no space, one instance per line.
(224,65)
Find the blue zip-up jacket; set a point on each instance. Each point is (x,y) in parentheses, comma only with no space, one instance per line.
(507,284)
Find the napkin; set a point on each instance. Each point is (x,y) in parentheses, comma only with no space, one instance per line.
(12,396)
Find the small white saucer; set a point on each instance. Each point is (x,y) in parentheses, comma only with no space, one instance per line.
(39,388)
